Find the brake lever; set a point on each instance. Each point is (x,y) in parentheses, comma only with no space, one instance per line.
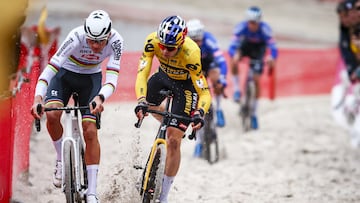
(138,123)
(190,133)
(98,116)
(37,121)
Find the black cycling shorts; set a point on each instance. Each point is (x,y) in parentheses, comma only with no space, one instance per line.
(256,53)
(185,96)
(66,82)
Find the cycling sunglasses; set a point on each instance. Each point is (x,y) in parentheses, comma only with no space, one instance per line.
(163,47)
(97,41)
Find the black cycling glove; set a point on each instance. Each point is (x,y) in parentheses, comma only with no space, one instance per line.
(198,119)
(141,106)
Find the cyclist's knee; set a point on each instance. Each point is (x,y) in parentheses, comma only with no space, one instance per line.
(89,130)
(234,67)
(53,117)
(257,85)
(174,137)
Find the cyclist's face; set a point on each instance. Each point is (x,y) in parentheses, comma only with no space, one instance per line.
(253,26)
(168,52)
(345,18)
(96,45)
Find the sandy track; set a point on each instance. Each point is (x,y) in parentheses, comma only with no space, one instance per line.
(298,155)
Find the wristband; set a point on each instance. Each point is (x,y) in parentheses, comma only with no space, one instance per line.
(141,99)
(202,112)
(102,98)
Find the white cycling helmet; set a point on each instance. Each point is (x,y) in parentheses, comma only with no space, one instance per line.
(97,25)
(195,29)
(253,14)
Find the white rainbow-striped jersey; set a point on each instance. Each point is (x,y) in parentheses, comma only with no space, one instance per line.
(75,55)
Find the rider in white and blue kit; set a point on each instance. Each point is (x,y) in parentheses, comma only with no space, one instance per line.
(213,65)
(251,38)
(213,62)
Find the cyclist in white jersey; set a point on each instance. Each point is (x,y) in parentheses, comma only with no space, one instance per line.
(76,67)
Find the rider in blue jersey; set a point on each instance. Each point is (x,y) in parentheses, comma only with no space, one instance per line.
(213,62)
(251,38)
(213,65)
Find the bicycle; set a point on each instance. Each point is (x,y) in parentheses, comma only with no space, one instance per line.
(209,138)
(74,175)
(153,172)
(247,101)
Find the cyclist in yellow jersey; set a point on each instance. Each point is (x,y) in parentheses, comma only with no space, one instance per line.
(179,71)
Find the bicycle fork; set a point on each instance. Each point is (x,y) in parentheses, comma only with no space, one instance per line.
(251,92)
(151,159)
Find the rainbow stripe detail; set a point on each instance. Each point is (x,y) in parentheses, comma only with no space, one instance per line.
(53,67)
(54,101)
(112,71)
(89,118)
(81,63)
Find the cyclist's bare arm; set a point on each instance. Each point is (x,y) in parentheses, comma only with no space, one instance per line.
(234,62)
(214,77)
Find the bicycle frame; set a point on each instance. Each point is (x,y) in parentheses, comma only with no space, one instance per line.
(159,143)
(73,163)
(159,139)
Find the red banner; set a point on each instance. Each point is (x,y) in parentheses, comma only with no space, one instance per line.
(298,72)
(6,150)
(23,120)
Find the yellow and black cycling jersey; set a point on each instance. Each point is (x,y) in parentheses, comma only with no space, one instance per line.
(185,65)
(355,48)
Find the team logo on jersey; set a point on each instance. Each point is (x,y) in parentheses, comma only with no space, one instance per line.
(90,57)
(54,93)
(64,46)
(116,46)
(192,66)
(188,101)
(174,122)
(142,65)
(149,47)
(200,83)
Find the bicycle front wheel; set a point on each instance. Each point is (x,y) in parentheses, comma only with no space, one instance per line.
(247,106)
(69,172)
(154,184)
(83,173)
(245,117)
(211,148)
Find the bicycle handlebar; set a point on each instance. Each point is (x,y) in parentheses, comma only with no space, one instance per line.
(169,115)
(67,108)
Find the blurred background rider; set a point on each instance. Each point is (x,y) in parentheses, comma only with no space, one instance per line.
(214,68)
(251,39)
